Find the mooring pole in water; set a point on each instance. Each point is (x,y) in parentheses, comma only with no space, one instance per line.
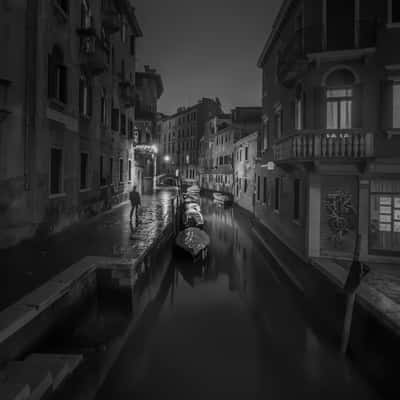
(356,273)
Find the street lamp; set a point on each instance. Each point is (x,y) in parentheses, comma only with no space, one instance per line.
(167,159)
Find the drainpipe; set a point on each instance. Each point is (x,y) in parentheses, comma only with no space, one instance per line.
(31,29)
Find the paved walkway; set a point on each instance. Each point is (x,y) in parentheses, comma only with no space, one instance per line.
(379,291)
(30,264)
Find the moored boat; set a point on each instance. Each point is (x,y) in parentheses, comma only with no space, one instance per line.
(194,242)
(222,198)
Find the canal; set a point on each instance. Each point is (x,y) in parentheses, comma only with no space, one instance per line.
(233,328)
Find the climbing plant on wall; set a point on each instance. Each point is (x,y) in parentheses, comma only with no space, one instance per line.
(341,215)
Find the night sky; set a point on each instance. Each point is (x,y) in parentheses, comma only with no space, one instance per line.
(205,48)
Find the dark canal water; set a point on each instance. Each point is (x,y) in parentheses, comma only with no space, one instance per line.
(231,329)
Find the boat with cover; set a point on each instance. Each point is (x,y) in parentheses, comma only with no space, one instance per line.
(193,241)
(192,218)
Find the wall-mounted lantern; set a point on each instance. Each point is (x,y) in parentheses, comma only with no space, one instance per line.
(4,112)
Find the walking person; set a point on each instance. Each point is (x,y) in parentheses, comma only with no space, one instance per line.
(134,197)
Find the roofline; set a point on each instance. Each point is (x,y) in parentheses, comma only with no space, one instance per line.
(247,137)
(275,27)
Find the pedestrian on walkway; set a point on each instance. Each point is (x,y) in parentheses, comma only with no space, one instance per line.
(134,197)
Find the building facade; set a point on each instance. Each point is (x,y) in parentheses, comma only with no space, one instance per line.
(206,147)
(244,161)
(330,164)
(220,176)
(180,137)
(66,139)
(149,89)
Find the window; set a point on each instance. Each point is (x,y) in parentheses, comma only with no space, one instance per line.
(277,194)
(240,155)
(103,107)
(115,119)
(265,190)
(299,109)
(339,108)
(265,134)
(278,123)
(258,187)
(130,129)
(132,45)
(245,185)
(246,153)
(123,31)
(57,76)
(130,170)
(84,171)
(296,199)
(56,161)
(123,124)
(121,170)
(394,12)
(85,97)
(101,171)
(123,69)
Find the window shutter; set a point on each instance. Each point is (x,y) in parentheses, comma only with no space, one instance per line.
(386,104)
(319,108)
(63,84)
(357,106)
(51,76)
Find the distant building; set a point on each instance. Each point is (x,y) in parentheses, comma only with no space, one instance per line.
(149,88)
(67,80)
(206,146)
(219,177)
(244,161)
(330,163)
(180,137)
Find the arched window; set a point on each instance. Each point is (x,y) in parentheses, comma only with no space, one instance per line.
(57,75)
(103,106)
(339,99)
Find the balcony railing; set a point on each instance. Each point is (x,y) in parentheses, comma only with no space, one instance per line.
(292,60)
(342,145)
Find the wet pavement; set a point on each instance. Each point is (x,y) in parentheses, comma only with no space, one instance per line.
(32,263)
(231,329)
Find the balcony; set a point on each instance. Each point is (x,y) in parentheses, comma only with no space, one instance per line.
(94,55)
(293,61)
(127,93)
(324,145)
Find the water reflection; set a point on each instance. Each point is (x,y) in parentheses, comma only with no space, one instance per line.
(229,327)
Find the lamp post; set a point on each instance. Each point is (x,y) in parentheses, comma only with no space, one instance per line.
(155,152)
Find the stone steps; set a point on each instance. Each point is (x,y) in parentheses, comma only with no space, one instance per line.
(36,376)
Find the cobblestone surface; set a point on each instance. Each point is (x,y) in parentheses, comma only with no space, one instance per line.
(30,264)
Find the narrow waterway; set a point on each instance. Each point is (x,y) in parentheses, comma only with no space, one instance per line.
(230,329)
